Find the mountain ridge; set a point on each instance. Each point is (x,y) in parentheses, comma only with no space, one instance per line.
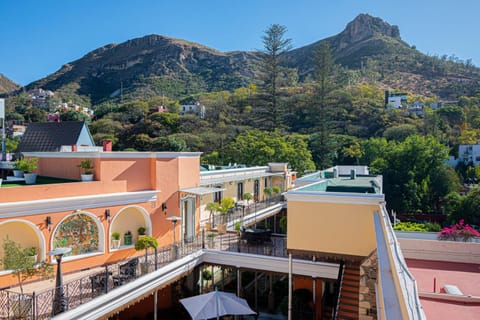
(7,85)
(156,63)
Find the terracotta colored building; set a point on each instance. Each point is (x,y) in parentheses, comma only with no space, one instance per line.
(130,190)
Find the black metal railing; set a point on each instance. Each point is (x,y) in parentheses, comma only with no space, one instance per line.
(246,208)
(38,305)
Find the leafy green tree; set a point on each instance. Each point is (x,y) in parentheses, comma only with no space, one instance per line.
(34,114)
(270,114)
(73,115)
(323,148)
(169,143)
(400,132)
(408,168)
(353,151)
(23,267)
(469,208)
(255,147)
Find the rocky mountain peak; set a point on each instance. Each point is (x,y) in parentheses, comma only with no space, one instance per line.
(364,27)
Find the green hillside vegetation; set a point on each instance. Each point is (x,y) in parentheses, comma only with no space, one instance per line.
(314,107)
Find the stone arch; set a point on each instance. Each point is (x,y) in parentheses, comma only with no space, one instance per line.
(82,231)
(130,219)
(24,232)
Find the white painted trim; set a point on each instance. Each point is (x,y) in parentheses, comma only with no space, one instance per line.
(42,250)
(26,208)
(335,197)
(101,236)
(114,155)
(146,217)
(233,171)
(81,256)
(122,296)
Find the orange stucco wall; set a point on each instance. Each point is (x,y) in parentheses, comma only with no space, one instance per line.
(146,306)
(136,172)
(307,283)
(112,175)
(336,228)
(59,190)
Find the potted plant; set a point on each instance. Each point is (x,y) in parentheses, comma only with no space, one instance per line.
(87,167)
(144,244)
(268,191)
(283,223)
(206,274)
(32,253)
(141,232)
(211,240)
(115,240)
(247,197)
(127,238)
(28,165)
(224,207)
(212,207)
(17,259)
(276,190)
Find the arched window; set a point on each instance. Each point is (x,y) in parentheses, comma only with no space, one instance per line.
(79,232)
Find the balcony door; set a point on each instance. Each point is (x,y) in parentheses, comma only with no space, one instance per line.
(188,219)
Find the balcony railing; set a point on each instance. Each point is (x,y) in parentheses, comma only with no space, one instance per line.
(408,284)
(243,209)
(38,305)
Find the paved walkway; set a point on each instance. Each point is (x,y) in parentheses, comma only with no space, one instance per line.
(43,285)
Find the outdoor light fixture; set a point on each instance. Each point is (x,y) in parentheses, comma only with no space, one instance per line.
(48,222)
(164,207)
(59,300)
(107,215)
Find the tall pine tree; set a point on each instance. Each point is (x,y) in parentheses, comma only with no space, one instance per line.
(269,112)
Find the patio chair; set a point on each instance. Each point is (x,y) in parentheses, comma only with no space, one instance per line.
(127,272)
(99,282)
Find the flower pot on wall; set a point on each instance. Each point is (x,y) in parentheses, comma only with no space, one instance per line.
(127,239)
(221,228)
(18,173)
(34,258)
(87,177)
(30,178)
(115,244)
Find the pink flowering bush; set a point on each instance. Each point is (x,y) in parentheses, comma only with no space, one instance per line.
(458,231)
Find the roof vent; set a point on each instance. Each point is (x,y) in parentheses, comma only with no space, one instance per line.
(335,173)
(353,174)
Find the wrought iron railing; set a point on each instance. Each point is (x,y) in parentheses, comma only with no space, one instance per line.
(38,305)
(245,209)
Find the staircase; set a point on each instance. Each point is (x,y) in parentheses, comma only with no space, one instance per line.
(349,294)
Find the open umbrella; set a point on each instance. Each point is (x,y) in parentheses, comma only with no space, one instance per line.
(215,304)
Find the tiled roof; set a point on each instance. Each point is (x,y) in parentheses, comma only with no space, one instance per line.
(50,136)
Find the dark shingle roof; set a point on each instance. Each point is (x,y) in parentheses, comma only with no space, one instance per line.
(50,136)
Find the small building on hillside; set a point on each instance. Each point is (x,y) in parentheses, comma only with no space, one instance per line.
(469,153)
(55,136)
(195,108)
(394,100)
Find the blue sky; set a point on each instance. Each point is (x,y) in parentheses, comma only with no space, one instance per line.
(38,37)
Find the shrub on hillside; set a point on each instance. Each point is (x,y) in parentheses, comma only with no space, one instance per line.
(418,227)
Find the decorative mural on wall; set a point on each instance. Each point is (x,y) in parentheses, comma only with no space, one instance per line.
(79,232)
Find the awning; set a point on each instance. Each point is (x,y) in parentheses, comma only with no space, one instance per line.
(200,191)
(243,177)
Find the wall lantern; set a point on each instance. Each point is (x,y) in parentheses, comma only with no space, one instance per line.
(107,215)
(48,222)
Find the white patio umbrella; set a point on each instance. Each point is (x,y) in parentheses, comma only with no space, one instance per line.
(215,304)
